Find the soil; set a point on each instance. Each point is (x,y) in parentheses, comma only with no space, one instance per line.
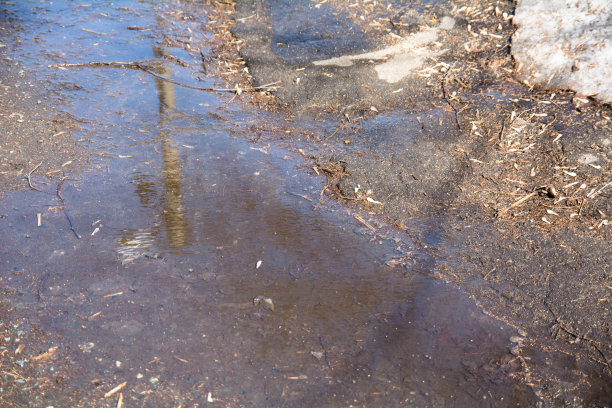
(35,131)
(506,189)
(518,178)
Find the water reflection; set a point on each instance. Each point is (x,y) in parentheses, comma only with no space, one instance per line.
(173,212)
(170,202)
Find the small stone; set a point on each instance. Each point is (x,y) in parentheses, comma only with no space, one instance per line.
(267,303)
(21,363)
(317,354)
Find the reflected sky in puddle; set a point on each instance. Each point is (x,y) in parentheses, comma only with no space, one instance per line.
(173,227)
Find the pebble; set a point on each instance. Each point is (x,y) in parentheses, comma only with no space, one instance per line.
(21,363)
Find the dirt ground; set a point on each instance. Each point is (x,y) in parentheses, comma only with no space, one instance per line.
(507,187)
(519,178)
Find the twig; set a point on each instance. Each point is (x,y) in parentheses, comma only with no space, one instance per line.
(445,95)
(59,188)
(204,61)
(299,195)
(95,32)
(14,374)
(595,344)
(335,131)
(324,352)
(596,193)
(59,197)
(114,390)
(548,125)
(30,174)
(503,211)
(48,353)
(144,68)
(488,273)
(501,132)
(364,222)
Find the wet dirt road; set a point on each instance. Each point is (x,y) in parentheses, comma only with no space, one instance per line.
(189,266)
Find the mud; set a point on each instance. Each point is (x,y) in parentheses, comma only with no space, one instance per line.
(186,258)
(518,178)
(469,264)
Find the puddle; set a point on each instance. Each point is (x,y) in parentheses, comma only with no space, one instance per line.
(204,269)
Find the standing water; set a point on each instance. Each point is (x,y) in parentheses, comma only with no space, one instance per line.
(190,267)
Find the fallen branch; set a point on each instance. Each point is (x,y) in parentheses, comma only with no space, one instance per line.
(145,68)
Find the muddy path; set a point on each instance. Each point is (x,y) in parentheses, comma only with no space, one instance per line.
(314,243)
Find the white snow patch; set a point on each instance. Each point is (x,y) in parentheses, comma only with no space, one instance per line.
(565,44)
(403,57)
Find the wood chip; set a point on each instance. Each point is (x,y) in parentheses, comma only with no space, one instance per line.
(364,222)
(182,360)
(114,390)
(48,354)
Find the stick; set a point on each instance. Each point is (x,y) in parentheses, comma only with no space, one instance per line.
(49,353)
(324,352)
(299,195)
(95,32)
(142,67)
(114,390)
(204,62)
(57,192)
(76,234)
(445,95)
(595,344)
(30,174)
(502,212)
(364,222)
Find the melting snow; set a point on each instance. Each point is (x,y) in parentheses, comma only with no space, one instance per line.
(403,57)
(565,44)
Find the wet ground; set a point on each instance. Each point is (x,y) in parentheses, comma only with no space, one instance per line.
(157,250)
(507,186)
